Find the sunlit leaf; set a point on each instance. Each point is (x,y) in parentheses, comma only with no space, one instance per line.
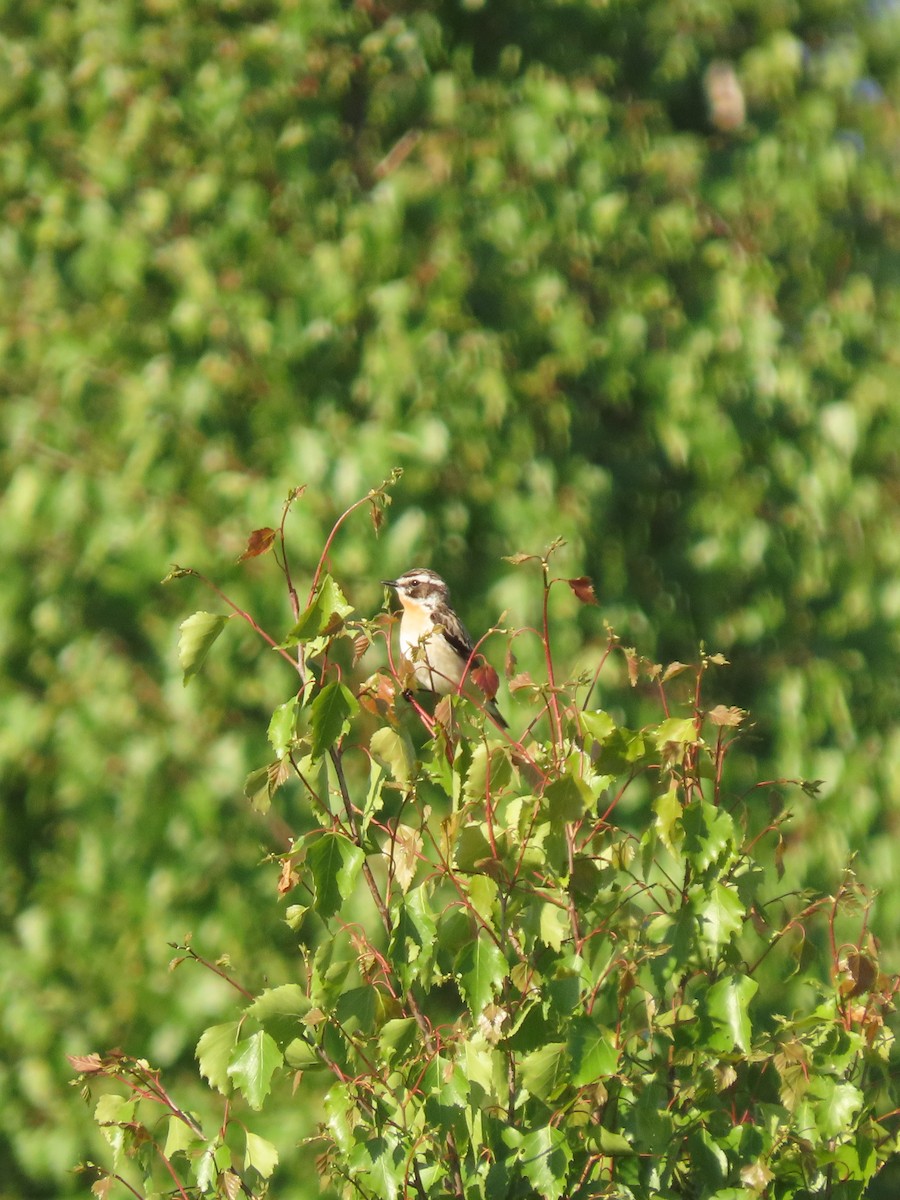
(727,1003)
(547,1071)
(259,542)
(583,588)
(214,1052)
(252,1064)
(335,863)
(198,633)
(330,714)
(480,968)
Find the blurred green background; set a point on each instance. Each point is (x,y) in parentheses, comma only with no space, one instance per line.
(621,271)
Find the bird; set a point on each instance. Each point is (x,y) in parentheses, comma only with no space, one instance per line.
(433,639)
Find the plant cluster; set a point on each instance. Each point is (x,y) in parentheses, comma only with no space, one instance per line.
(504,986)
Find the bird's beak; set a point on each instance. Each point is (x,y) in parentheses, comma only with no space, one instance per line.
(391,583)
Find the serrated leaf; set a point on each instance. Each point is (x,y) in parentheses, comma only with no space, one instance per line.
(259,542)
(836,1105)
(253,1063)
(668,819)
(481,969)
(599,724)
(180,1138)
(583,588)
(325,614)
(197,633)
(396,1037)
(213,1053)
(473,849)
(568,798)
(592,1053)
(381,1164)
(545,1072)
(554,926)
(545,1158)
(681,730)
(727,1005)
(288,1000)
(490,767)
(395,752)
(340,1111)
(722,914)
(330,714)
(335,863)
(728,717)
(673,669)
(260,786)
(708,833)
(261,1155)
(403,852)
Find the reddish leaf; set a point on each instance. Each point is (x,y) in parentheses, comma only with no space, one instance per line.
(86,1064)
(360,646)
(674,669)
(720,715)
(633,663)
(258,543)
(510,662)
(583,588)
(289,877)
(486,679)
(522,680)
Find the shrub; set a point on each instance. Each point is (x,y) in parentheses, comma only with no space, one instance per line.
(565,963)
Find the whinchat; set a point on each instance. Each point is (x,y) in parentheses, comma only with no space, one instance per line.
(433,639)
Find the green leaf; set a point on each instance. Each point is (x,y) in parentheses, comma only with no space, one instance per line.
(480,968)
(180,1138)
(569,798)
(592,1053)
(598,725)
(301,1055)
(413,937)
(727,1005)
(681,730)
(198,632)
(396,1037)
(546,1072)
(668,820)
(288,1000)
(335,863)
(722,915)
(340,1114)
(214,1052)
(253,1063)
(357,1009)
(381,1164)
(261,1155)
(837,1105)
(473,850)
(555,926)
(283,726)
(708,834)
(490,767)
(113,1113)
(324,614)
(395,752)
(330,713)
(545,1158)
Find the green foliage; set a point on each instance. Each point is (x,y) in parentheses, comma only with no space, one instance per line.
(504,992)
(526,251)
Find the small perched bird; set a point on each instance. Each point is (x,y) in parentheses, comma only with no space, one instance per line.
(433,639)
